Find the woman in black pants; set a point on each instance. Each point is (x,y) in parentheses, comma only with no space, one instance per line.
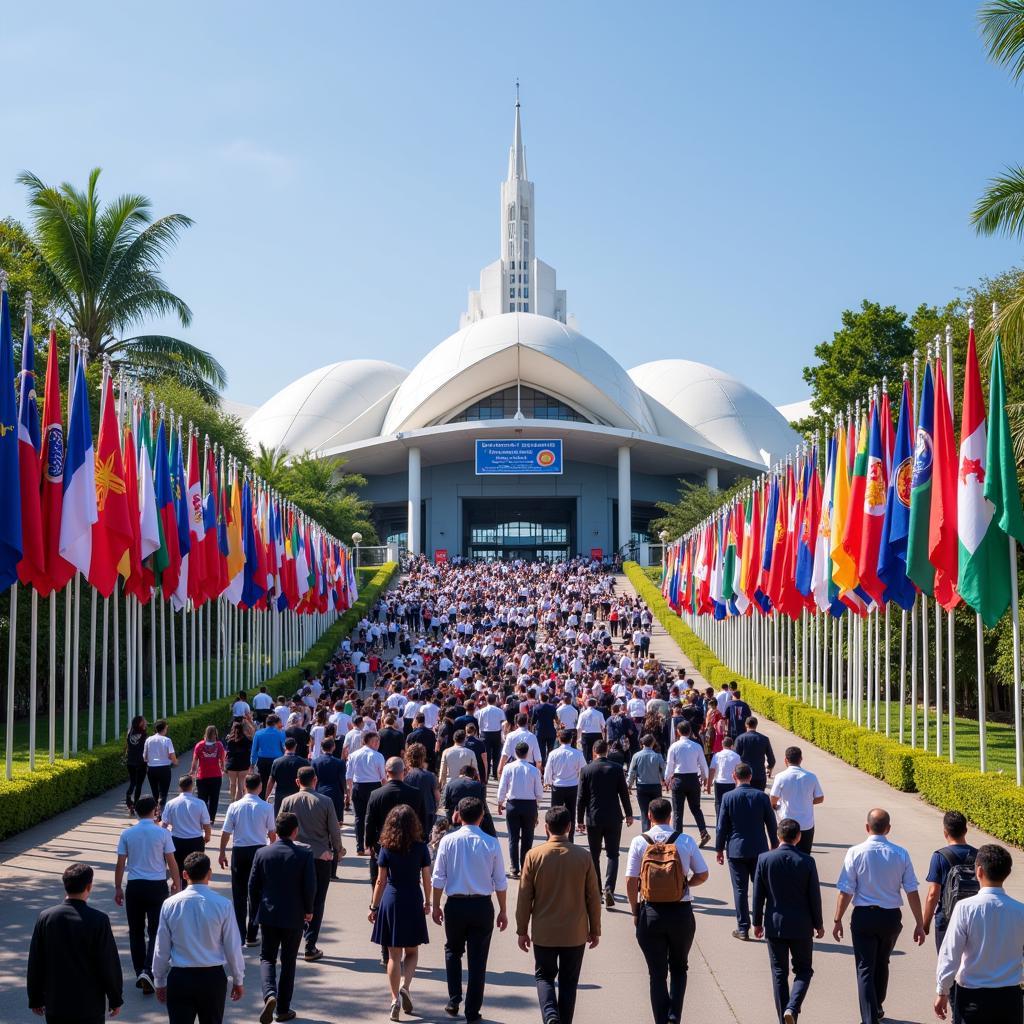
(134,742)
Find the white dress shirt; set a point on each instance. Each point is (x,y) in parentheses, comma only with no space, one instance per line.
(353,741)
(723,763)
(564,766)
(591,721)
(145,845)
(197,929)
(468,863)
(722,699)
(262,702)
(366,765)
(490,718)
(520,780)
(248,821)
(874,872)
(567,715)
(686,758)
(158,750)
(636,707)
(983,943)
(342,723)
(797,790)
(689,854)
(431,713)
(508,751)
(186,815)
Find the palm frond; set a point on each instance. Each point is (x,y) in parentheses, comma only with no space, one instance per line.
(1002,28)
(155,349)
(1001,206)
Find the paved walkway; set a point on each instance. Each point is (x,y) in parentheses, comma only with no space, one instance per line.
(729,982)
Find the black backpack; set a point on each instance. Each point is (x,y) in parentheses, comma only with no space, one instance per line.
(960,883)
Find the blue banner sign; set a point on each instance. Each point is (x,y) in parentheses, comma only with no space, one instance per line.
(518,457)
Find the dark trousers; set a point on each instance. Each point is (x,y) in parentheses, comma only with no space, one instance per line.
(196,993)
(686,788)
(873,931)
(241,868)
(263,766)
(182,848)
(136,777)
(741,873)
(546,745)
(286,942)
(608,836)
(323,883)
(159,782)
(492,741)
(521,818)
(561,964)
(665,933)
(589,739)
(987,1005)
(721,788)
(360,798)
(468,924)
(208,790)
(565,796)
(806,840)
(645,793)
(142,902)
(780,951)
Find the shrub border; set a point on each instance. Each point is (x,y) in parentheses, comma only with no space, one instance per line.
(31,797)
(991,802)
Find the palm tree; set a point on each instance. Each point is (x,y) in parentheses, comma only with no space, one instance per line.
(102,267)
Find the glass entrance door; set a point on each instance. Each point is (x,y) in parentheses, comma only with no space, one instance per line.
(514,528)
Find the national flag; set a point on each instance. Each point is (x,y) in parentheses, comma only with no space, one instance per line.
(10,505)
(32,567)
(942,530)
(876,484)
(196,525)
(130,566)
(78,511)
(810,518)
(112,533)
(151,534)
(167,560)
(182,517)
(919,568)
(52,458)
(892,551)
(821,572)
(1001,486)
(253,587)
(853,527)
(236,552)
(740,518)
(215,570)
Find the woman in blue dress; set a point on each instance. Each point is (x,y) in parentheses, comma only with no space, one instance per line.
(401,900)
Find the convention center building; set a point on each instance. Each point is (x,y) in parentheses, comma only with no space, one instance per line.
(518,436)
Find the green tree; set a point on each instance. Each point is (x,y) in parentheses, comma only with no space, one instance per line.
(101,269)
(25,269)
(873,342)
(224,430)
(696,502)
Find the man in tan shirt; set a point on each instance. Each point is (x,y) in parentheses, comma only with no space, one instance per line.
(560,893)
(454,758)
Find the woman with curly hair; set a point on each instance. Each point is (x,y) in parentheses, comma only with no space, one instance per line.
(401,900)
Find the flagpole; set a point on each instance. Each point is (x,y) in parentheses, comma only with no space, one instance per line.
(950,620)
(1018,751)
(92,669)
(76,623)
(117,663)
(103,670)
(11,647)
(33,679)
(53,677)
(938,679)
(152,654)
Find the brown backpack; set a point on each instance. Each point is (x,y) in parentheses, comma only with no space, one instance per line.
(661,871)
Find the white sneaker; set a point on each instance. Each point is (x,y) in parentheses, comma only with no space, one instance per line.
(395,1015)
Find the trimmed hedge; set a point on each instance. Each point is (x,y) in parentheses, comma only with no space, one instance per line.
(32,797)
(991,802)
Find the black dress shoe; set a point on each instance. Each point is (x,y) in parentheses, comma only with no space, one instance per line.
(739,933)
(452,1008)
(287,1015)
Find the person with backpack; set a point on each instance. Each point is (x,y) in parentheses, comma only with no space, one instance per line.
(662,867)
(950,875)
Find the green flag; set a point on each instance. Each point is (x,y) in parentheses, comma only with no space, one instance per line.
(919,568)
(1001,487)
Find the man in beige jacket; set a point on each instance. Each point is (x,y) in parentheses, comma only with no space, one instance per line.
(453,759)
(559,893)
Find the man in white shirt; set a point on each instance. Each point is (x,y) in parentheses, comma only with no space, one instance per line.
(665,930)
(562,774)
(262,705)
(873,874)
(521,789)
(195,939)
(521,734)
(979,967)
(795,792)
(491,718)
(686,771)
(158,753)
(188,820)
(723,764)
(365,775)
(591,728)
(341,721)
(249,823)
(468,867)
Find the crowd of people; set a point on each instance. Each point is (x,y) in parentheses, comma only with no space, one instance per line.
(473,690)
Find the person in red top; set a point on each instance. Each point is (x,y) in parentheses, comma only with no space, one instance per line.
(208,763)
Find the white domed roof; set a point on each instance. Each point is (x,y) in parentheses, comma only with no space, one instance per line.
(722,408)
(541,352)
(337,404)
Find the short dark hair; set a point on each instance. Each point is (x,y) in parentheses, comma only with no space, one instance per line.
(185,783)
(659,810)
(751,723)
(684,729)
(565,736)
(558,820)
(273,719)
(601,748)
(954,824)
(743,772)
(647,740)
(471,810)
(794,755)
(995,861)
(144,806)
(789,830)
(327,745)
(522,748)
(196,865)
(77,878)
(160,724)
(306,775)
(460,736)
(253,782)
(291,743)
(287,824)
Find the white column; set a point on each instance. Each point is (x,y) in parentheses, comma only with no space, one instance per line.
(712,478)
(414,500)
(625,499)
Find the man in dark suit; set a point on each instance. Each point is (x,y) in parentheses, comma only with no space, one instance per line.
(74,972)
(545,725)
(787,910)
(284,774)
(468,785)
(282,887)
(755,749)
(421,734)
(391,794)
(746,829)
(603,802)
(737,711)
(392,739)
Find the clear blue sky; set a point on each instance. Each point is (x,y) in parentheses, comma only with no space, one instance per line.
(714,181)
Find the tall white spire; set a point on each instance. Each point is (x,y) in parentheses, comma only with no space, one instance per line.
(517,153)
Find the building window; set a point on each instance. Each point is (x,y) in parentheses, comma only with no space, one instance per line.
(536,405)
(526,249)
(512,211)
(526,229)
(526,292)
(524,213)
(526,307)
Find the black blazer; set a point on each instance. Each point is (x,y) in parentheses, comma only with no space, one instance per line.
(282,883)
(428,739)
(392,742)
(787,896)
(746,824)
(460,788)
(73,966)
(604,795)
(755,749)
(391,794)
